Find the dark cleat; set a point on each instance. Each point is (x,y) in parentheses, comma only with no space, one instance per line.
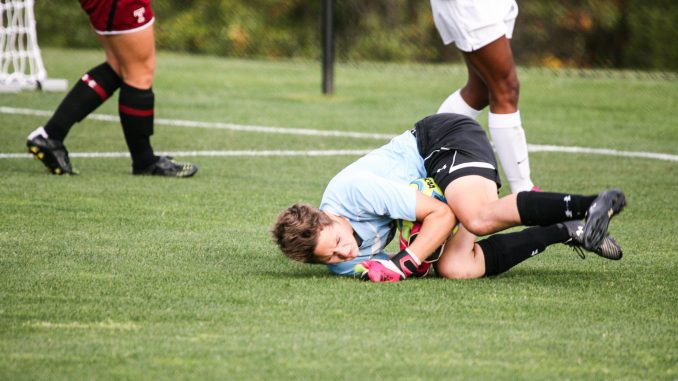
(52,153)
(609,248)
(601,211)
(165,166)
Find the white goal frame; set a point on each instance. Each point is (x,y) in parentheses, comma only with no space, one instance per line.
(21,66)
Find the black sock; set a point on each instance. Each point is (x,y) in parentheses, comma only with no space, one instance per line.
(87,94)
(503,251)
(545,208)
(136,116)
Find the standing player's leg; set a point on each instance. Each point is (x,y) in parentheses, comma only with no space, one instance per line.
(133,57)
(494,64)
(470,100)
(93,89)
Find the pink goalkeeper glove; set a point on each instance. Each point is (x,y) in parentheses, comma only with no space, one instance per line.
(398,268)
(422,270)
(379,270)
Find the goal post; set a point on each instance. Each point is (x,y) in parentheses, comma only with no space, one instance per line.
(21,66)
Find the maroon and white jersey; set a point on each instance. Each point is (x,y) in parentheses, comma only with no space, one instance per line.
(118,16)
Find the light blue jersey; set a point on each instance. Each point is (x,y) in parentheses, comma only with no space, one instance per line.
(373,192)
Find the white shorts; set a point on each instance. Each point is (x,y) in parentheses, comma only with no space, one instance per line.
(472,24)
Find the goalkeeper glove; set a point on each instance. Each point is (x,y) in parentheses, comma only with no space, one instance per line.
(398,268)
(379,270)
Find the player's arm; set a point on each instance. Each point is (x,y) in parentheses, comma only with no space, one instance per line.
(437,221)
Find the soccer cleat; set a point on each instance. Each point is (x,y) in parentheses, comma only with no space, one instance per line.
(609,248)
(165,166)
(603,208)
(535,189)
(52,153)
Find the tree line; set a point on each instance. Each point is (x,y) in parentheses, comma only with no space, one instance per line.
(620,34)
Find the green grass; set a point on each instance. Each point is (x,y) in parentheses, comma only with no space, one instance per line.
(107,276)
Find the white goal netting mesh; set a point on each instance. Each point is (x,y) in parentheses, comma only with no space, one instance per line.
(21,65)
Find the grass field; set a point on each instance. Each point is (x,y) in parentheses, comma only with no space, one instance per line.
(106,276)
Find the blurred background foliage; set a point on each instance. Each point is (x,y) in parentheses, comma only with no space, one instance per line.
(614,34)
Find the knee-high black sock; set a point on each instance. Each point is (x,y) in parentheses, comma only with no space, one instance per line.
(93,89)
(503,251)
(544,208)
(136,108)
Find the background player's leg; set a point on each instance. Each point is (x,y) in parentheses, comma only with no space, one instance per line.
(469,100)
(88,93)
(93,89)
(134,54)
(494,64)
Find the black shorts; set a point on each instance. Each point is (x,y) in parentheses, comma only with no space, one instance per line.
(454,146)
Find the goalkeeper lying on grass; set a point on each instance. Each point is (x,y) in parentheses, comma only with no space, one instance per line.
(357,214)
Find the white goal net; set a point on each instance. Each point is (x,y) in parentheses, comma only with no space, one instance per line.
(21,65)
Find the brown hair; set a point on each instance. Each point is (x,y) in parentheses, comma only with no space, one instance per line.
(296,231)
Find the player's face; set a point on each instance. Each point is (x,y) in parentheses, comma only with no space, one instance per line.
(336,243)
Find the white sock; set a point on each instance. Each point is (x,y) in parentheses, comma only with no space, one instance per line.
(40,131)
(508,138)
(455,104)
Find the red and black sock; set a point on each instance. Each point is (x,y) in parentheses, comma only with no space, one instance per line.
(93,89)
(545,208)
(136,108)
(503,251)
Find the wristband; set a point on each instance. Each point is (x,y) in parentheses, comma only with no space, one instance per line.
(406,262)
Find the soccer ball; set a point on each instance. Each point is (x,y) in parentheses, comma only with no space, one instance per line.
(429,187)
(410,229)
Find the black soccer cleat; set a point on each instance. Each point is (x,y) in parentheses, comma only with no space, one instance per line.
(52,153)
(165,166)
(609,248)
(598,217)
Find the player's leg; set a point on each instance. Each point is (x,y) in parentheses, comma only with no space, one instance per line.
(474,200)
(460,259)
(494,64)
(464,258)
(452,22)
(470,100)
(458,155)
(88,93)
(134,56)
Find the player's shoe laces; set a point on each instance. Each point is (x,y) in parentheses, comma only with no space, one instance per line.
(165,166)
(51,152)
(609,248)
(603,208)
